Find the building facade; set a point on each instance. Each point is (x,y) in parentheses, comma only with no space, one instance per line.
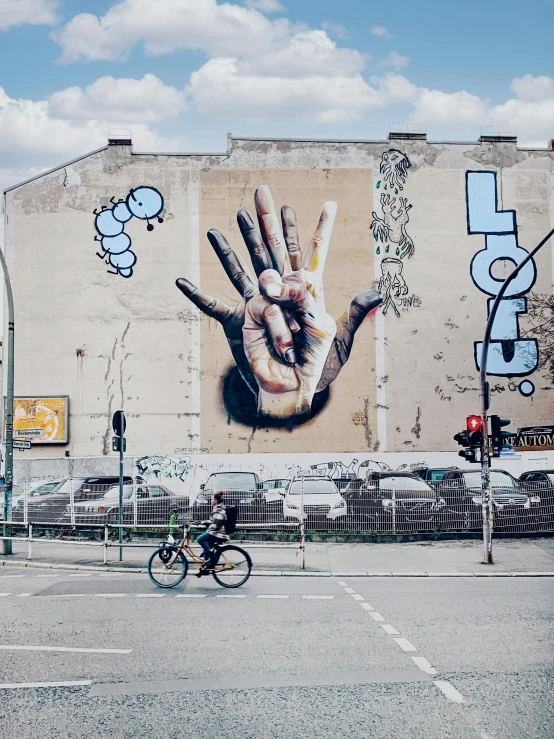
(96,246)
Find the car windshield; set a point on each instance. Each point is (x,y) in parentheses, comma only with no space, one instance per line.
(47,487)
(498,479)
(230,481)
(411,487)
(550,476)
(113,493)
(436,475)
(313,487)
(69,486)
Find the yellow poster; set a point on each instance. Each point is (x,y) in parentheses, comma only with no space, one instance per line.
(41,420)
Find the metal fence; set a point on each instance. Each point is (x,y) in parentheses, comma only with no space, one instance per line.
(380,503)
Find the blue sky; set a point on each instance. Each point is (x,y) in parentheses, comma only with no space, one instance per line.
(182,73)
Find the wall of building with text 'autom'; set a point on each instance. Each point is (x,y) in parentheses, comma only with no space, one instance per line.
(283,297)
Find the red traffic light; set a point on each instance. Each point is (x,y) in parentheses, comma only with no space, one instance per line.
(474,423)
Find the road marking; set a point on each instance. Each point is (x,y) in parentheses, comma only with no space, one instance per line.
(151,595)
(5,577)
(449,691)
(47,575)
(2,594)
(10,647)
(376,616)
(366,606)
(389,629)
(191,595)
(231,595)
(68,595)
(404,644)
(349,590)
(24,595)
(83,574)
(318,597)
(342,584)
(424,665)
(273,596)
(65,684)
(356,596)
(110,595)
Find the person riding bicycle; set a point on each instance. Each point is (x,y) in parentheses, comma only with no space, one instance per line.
(215,531)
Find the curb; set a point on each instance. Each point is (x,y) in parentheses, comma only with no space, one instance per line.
(277,573)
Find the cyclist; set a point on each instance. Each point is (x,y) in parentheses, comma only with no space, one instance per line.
(215,532)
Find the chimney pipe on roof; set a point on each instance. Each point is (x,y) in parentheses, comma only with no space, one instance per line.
(119,138)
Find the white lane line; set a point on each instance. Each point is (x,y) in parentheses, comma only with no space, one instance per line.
(5,577)
(65,684)
(151,595)
(46,575)
(68,595)
(356,596)
(3,594)
(11,647)
(342,584)
(376,616)
(83,574)
(110,595)
(318,597)
(404,644)
(390,629)
(449,691)
(366,607)
(231,595)
(273,596)
(349,590)
(24,595)
(424,665)
(191,595)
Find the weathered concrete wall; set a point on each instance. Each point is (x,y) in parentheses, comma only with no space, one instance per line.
(139,344)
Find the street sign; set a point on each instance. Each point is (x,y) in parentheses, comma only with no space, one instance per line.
(119,424)
(21,444)
(29,433)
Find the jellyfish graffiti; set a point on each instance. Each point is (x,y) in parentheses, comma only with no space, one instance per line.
(144,203)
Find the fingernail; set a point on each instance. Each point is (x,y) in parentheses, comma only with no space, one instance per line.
(290,356)
(273,290)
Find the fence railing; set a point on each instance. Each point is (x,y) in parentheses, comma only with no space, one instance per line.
(377,504)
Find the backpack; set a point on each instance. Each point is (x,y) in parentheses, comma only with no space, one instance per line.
(231,520)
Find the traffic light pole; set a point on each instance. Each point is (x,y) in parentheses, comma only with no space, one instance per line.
(8,463)
(487,499)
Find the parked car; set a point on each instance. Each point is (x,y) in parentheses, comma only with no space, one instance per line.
(385,501)
(539,484)
(242,489)
(433,475)
(319,497)
(273,492)
(153,504)
(41,488)
(462,491)
(50,508)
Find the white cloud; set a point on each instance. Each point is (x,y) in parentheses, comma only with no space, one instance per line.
(33,12)
(381,31)
(168,25)
(147,100)
(395,60)
(533,89)
(437,108)
(336,29)
(266,6)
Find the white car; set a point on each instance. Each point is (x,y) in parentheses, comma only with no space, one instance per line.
(318,496)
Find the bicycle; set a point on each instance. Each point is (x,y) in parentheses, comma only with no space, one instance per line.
(168,565)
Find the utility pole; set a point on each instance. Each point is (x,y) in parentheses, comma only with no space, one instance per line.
(8,465)
(487,499)
(119,444)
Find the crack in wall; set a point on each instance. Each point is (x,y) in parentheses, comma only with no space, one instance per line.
(416,431)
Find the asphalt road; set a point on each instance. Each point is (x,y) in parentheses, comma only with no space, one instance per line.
(281,657)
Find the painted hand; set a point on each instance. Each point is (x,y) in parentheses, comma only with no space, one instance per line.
(285,345)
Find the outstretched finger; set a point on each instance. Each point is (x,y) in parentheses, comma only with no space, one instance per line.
(232,265)
(269,228)
(266,321)
(314,261)
(291,293)
(290,231)
(259,254)
(212,307)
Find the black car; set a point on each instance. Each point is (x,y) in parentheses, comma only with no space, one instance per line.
(539,485)
(51,507)
(392,501)
(142,504)
(433,475)
(241,489)
(462,491)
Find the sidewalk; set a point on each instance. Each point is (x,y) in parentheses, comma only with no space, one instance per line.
(511,556)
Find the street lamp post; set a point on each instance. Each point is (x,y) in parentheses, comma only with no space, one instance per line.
(8,468)
(487,499)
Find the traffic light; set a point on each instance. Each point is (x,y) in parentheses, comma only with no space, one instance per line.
(462,438)
(474,425)
(499,436)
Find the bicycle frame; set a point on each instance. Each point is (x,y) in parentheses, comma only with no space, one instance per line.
(185,546)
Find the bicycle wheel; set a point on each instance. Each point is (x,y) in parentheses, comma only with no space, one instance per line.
(237,563)
(165,576)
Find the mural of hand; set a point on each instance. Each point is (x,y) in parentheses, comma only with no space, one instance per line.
(295,319)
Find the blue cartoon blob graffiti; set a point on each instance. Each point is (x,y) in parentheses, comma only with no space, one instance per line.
(509,355)
(144,203)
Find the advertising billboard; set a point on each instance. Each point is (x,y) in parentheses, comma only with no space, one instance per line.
(41,420)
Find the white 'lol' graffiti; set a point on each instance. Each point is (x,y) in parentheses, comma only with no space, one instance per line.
(509,356)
